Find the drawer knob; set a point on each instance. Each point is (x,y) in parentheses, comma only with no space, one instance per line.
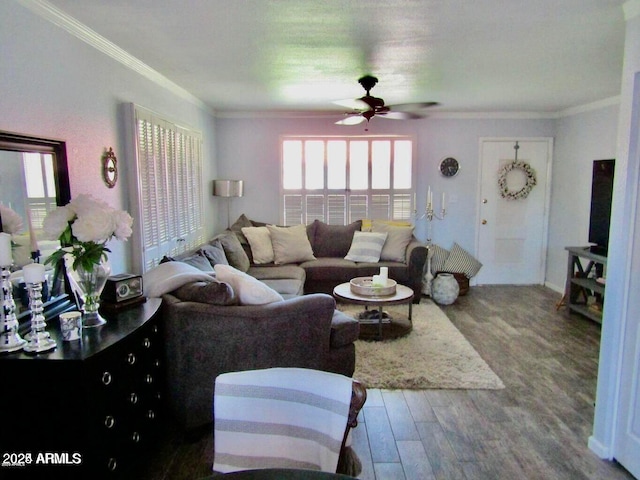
(151,415)
(156,363)
(146,343)
(131,359)
(155,329)
(135,437)
(112,464)
(109,421)
(133,398)
(106,378)
(148,379)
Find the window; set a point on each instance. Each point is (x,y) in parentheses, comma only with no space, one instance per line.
(169,191)
(40,186)
(342,179)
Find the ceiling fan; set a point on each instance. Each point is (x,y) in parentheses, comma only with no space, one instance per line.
(367,107)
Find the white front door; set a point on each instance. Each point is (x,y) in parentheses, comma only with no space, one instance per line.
(512,232)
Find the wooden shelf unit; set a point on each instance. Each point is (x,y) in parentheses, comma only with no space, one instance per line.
(581,282)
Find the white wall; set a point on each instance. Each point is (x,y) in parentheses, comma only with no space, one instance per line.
(248,149)
(580,139)
(54,85)
(622,300)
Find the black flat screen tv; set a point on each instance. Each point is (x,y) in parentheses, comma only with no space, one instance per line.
(601,194)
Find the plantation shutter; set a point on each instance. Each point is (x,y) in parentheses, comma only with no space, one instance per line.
(339,180)
(168,194)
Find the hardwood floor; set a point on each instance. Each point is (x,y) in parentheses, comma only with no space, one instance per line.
(535,428)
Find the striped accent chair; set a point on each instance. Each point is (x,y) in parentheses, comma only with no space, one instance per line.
(284,418)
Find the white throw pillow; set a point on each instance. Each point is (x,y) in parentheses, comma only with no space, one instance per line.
(398,238)
(249,290)
(366,247)
(259,240)
(290,244)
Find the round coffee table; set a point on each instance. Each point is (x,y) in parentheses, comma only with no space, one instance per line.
(377,324)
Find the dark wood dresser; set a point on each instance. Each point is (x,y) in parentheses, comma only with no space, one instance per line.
(90,408)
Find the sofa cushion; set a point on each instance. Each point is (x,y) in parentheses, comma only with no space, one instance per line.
(290,244)
(233,250)
(366,246)
(214,253)
(460,261)
(236,228)
(338,270)
(333,240)
(259,239)
(249,290)
(344,329)
(197,260)
(287,280)
(214,293)
(395,247)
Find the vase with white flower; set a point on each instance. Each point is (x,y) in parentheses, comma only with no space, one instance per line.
(84,226)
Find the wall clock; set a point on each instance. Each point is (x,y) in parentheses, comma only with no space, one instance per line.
(449,167)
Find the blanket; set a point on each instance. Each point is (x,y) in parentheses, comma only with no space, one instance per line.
(169,276)
(280,418)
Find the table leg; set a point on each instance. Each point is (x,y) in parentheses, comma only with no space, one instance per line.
(380,322)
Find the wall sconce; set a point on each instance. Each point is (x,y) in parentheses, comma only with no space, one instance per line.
(228,189)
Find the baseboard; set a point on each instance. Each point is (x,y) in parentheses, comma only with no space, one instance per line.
(554,287)
(601,450)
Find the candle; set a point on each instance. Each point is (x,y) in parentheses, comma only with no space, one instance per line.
(32,236)
(444,203)
(5,250)
(384,274)
(33,273)
(429,198)
(376,281)
(415,202)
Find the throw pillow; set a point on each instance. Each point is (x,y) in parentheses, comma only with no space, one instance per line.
(290,244)
(249,290)
(236,228)
(334,240)
(213,293)
(199,261)
(214,253)
(395,248)
(366,247)
(260,241)
(439,256)
(368,223)
(460,261)
(234,252)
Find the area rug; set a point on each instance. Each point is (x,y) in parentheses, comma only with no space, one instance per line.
(434,355)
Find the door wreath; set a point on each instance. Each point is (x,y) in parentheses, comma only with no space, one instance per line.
(530,175)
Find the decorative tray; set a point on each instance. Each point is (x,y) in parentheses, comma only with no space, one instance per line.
(364,286)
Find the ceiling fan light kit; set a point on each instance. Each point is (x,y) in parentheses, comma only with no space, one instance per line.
(368,106)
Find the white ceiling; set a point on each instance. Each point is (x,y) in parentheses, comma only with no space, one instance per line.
(300,55)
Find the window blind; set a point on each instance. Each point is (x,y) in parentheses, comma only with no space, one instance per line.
(169,190)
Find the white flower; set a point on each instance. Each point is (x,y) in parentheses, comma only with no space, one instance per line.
(96,227)
(11,221)
(57,222)
(123,225)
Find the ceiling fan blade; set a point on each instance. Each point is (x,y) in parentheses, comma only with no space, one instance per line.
(400,115)
(352,120)
(352,103)
(404,107)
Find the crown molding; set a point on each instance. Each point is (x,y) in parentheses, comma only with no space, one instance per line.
(61,19)
(607,102)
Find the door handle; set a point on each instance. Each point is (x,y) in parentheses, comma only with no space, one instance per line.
(484,221)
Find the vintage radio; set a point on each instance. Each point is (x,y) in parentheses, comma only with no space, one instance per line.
(122,288)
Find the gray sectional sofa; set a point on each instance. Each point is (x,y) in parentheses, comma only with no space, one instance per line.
(207,331)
